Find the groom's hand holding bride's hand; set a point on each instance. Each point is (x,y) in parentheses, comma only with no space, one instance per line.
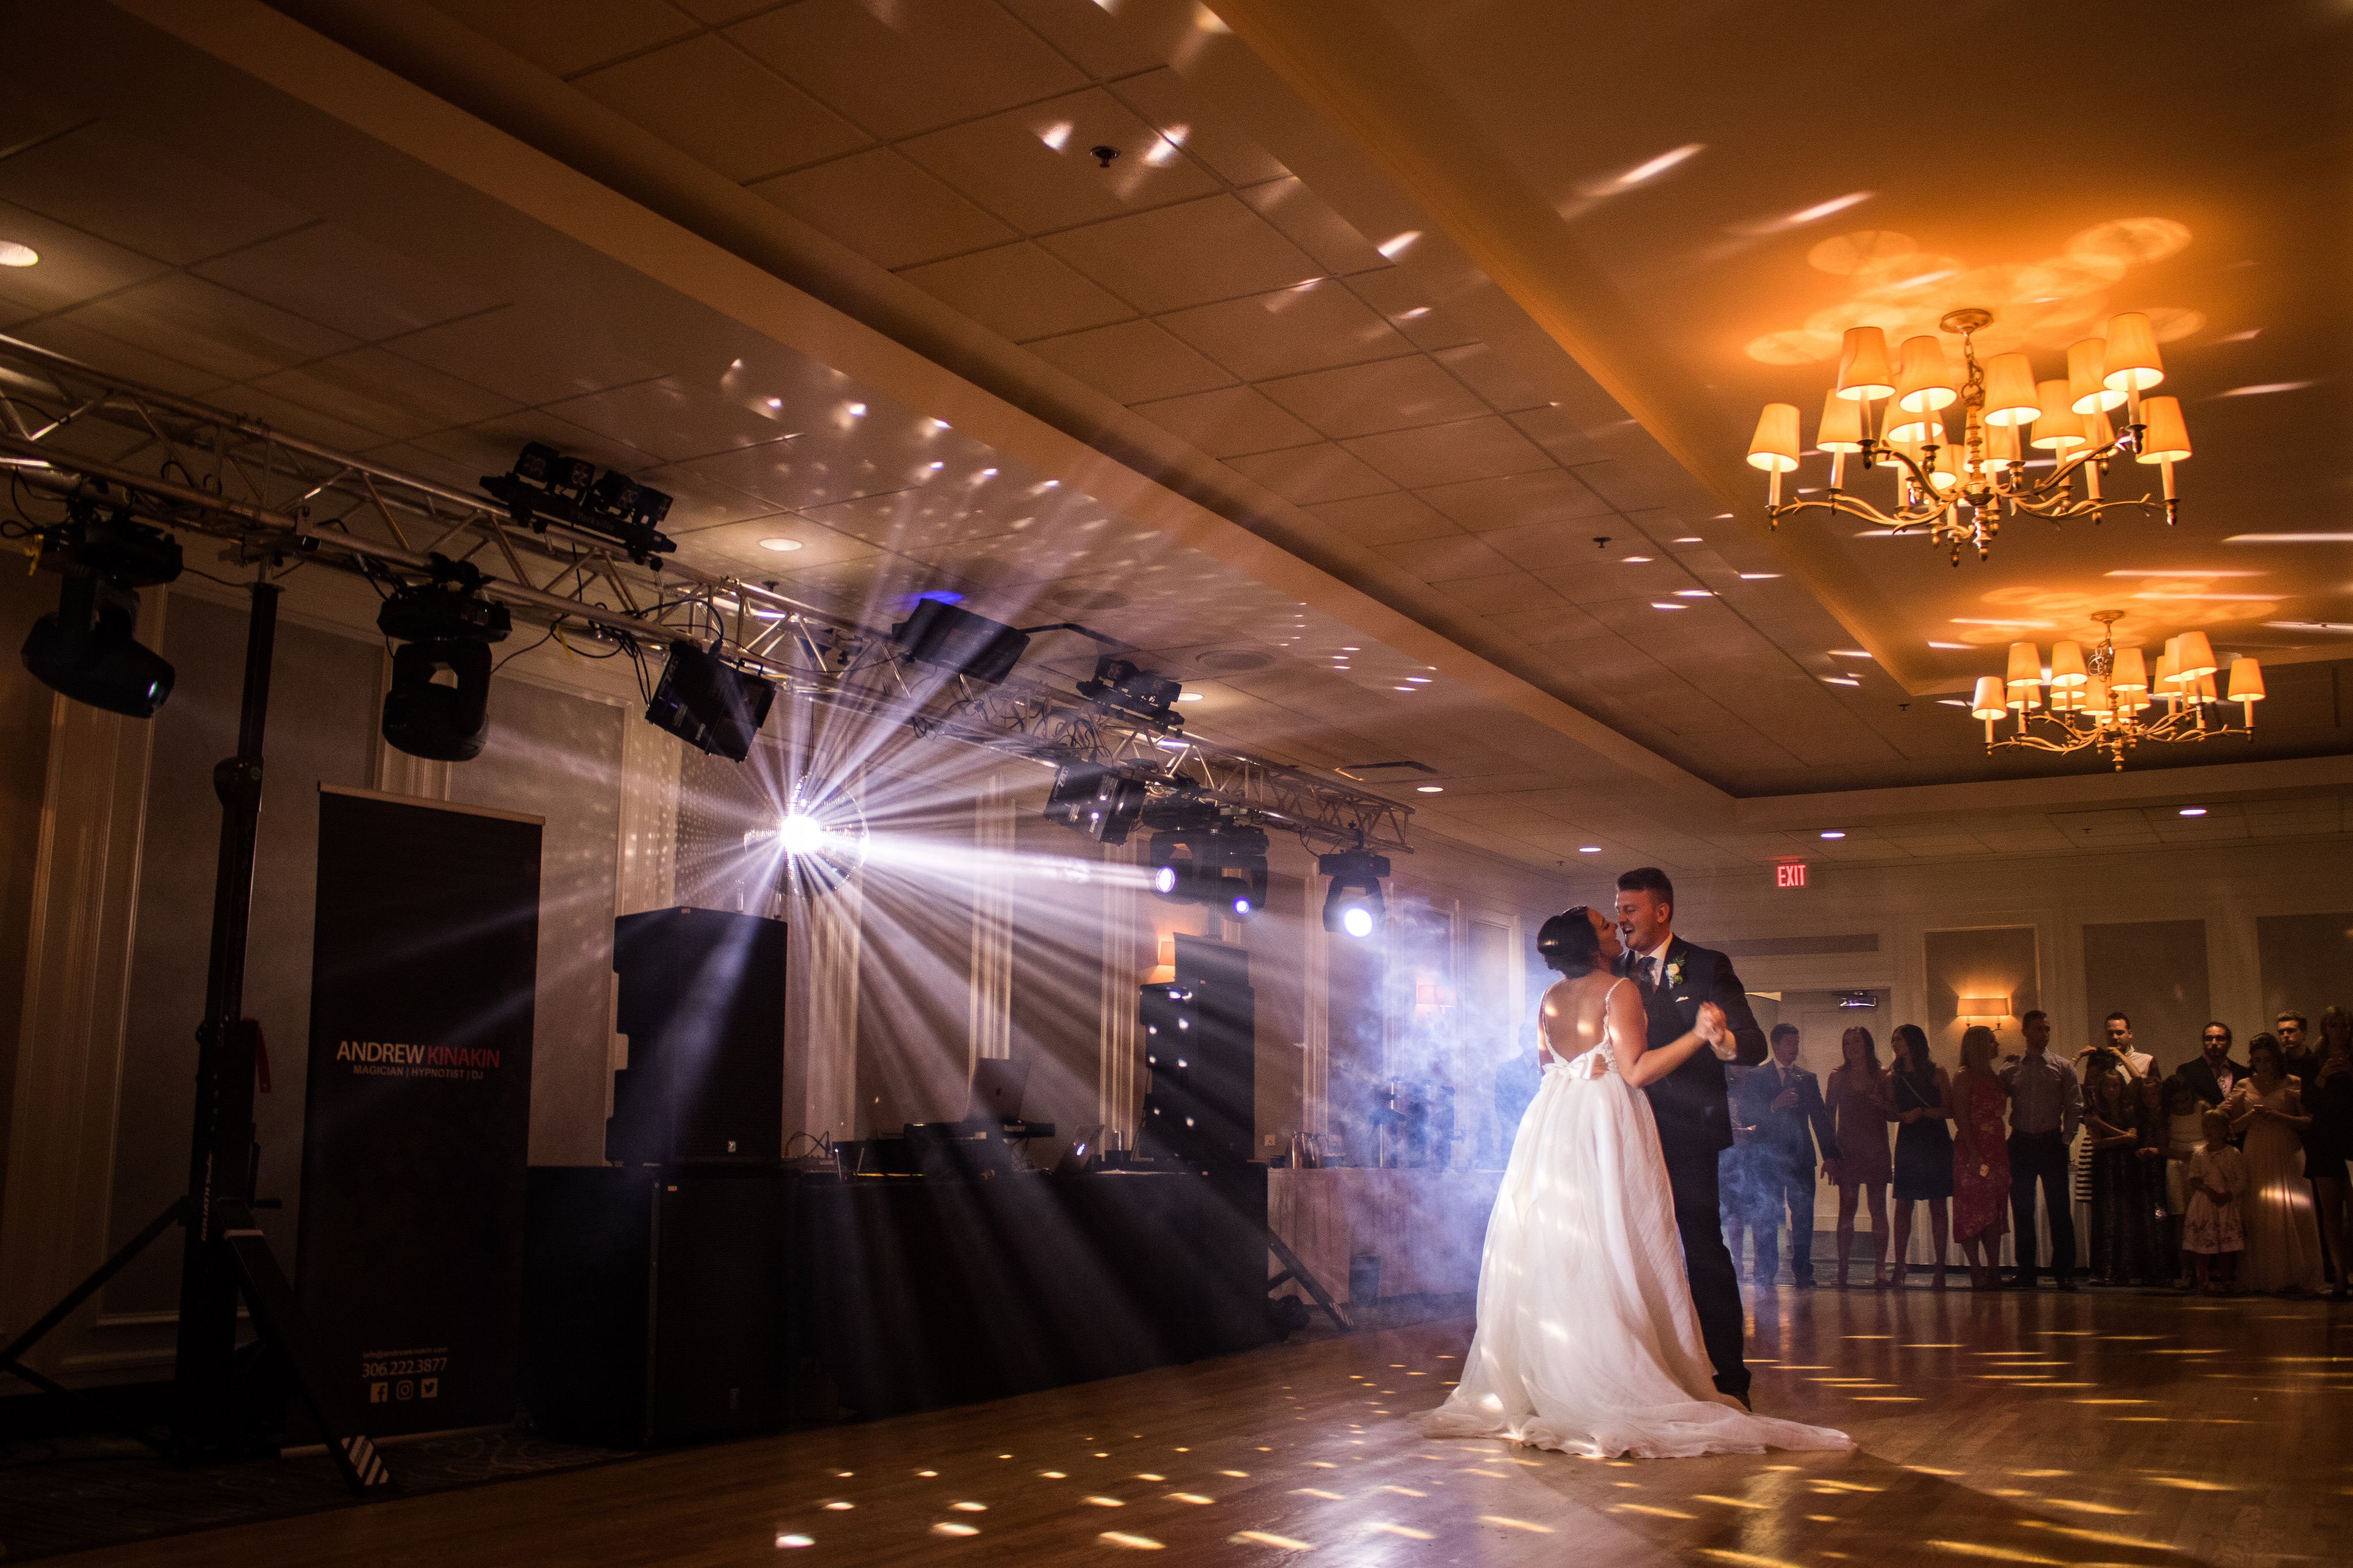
(1713,1029)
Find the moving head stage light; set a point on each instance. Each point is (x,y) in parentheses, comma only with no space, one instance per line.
(709,703)
(1142,694)
(85,650)
(545,485)
(1101,801)
(443,623)
(1353,905)
(1203,858)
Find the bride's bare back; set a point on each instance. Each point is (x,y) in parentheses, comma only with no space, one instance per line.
(1583,1011)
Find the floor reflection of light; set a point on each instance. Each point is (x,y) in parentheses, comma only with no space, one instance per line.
(1195,1498)
(1409,1532)
(1121,1538)
(1268,1538)
(1646,1508)
(790,1540)
(1731,1502)
(2098,1537)
(1049,1475)
(1310,1491)
(2188,1486)
(2002,1554)
(949,1527)
(969,1507)
(1106,1502)
(840,1507)
(1748,1560)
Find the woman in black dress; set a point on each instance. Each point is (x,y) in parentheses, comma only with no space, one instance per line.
(2329,1099)
(2127,1180)
(1919,1100)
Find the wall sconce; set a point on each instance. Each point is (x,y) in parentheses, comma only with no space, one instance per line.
(1984,1007)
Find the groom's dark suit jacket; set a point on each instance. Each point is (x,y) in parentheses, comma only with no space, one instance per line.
(1689,1102)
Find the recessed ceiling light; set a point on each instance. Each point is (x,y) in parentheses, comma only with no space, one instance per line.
(12,254)
(1758,576)
(1352,650)
(1693,593)
(1429,789)
(1834,833)
(780,546)
(1636,560)
(1407,689)
(1419,680)
(1656,605)
(1691,538)
(1589,850)
(1196,697)
(2193,811)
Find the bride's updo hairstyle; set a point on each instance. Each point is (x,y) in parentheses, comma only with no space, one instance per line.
(1568,943)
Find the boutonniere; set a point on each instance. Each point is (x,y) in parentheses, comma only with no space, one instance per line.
(1675,973)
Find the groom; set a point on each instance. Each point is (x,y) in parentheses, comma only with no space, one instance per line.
(1694,1123)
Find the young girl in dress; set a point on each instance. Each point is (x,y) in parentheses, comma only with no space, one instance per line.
(2212,1228)
(2185,1129)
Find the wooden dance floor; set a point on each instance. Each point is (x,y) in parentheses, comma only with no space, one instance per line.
(2096,1427)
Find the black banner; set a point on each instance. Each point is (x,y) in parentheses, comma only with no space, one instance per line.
(416,1118)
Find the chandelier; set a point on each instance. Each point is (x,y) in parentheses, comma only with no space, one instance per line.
(2106,700)
(1956,490)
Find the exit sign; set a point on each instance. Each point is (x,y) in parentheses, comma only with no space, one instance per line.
(1789,874)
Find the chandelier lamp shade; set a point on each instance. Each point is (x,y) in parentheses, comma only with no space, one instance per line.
(2102,699)
(1957,485)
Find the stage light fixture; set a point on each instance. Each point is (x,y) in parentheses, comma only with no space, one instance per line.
(1140,694)
(822,835)
(709,703)
(1098,800)
(443,625)
(545,486)
(1202,858)
(85,650)
(938,634)
(1352,906)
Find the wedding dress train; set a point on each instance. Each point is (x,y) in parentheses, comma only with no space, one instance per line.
(1587,1339)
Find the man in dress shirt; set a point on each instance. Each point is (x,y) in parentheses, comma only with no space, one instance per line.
(2137,1066)
(2046,1106)
(1784,1102)
(2213,1075)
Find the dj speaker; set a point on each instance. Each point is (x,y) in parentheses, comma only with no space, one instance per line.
(702,1002)
(1199,1046)
(655,1309)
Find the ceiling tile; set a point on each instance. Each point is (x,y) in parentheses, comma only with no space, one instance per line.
(925,517)
(1556,546)
(1306,474)
(1313,226)
(136,194)
(1134,362)
(525,354)
(1164,100)
(885,208)
(1518,500)
(1614,482)
(568,36)
(1228,422)
(1486,373)
(734,547)
(1447,560)
(74,266)
(299,419)
(205,325)
(1291,330)
(341,281)
(1556,626)
(1394,518)
(1444,454)
(1512,593)
(1186,255)
(715,103)
(1019,291)
(62,335)
(804,473)
(932,63)
(376,391)
(1387,395)
(671,419)
(1087,34)
(1573,439)
(1604,581)
(1035,168)
(699,503)
(1401,300)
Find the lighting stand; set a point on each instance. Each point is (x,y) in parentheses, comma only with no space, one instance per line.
(224,1406)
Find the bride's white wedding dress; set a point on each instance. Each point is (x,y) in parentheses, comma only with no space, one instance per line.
(1587,1339)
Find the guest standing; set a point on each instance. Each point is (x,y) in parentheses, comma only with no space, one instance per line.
(1980,1159)
(2330,1142)
(2185,1129)
(2046,1105)
(2127,1182)
(2212,1232)
(2282,1240)
(2297,1060)
(1858,1103)
(1920,1095)
(1735,1176)
(2212,1074)
(1784,1102)
(2139,1063)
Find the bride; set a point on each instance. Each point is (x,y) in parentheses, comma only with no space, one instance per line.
(1587,1338)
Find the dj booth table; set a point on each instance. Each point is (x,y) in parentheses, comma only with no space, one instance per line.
(664,1304)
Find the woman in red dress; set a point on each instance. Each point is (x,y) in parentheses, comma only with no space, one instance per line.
(1980,1159)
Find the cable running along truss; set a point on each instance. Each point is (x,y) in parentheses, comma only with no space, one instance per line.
(70,433)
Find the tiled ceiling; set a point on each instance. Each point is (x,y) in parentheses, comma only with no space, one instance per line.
(1195,281)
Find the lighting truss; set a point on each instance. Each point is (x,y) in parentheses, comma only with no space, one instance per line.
(71,432)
